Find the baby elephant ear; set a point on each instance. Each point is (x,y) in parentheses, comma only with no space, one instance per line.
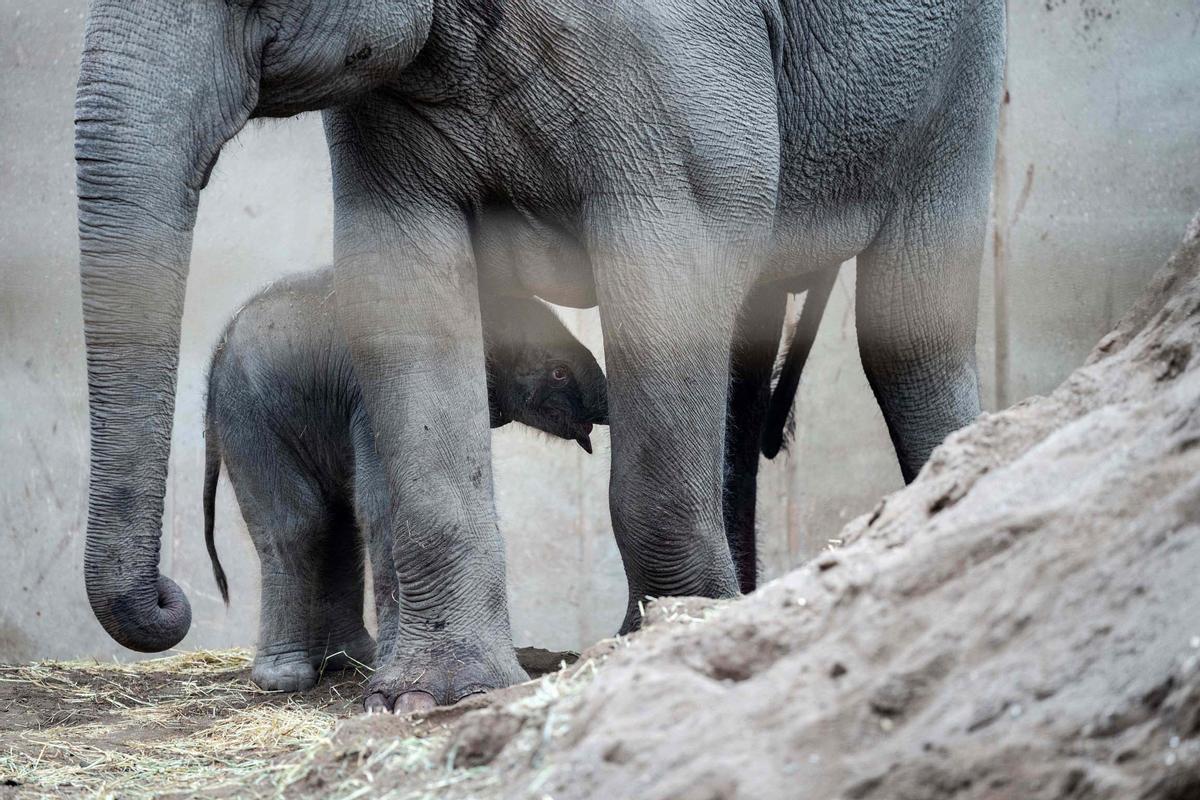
(584,437)
(602,416)
(497,418)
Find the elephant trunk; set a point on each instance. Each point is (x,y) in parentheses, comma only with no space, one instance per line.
(150,121)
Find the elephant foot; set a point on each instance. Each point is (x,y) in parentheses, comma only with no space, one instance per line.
(418,681)
(347,652)
(385,649)
(276,674)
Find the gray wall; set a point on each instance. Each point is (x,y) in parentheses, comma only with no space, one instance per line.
(1099,173)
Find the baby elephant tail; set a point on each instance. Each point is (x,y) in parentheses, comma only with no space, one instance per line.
(212,471)
(780,409)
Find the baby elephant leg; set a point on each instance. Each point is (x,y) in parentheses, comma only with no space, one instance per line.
(371,511)
(341,640)
(311,619)
(312,577)
(282,660)
(387,594)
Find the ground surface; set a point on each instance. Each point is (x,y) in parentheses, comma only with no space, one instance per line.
(187,722)
(1022,623)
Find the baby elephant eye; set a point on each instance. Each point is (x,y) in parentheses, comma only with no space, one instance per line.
(560,373)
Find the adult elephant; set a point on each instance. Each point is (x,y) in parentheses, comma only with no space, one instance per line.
(681,162)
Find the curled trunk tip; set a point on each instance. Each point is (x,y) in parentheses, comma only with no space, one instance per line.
(146,621)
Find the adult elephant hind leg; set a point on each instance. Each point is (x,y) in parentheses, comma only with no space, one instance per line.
(669,311)
(677,241)
(916,307)
(755,346)
(918,282)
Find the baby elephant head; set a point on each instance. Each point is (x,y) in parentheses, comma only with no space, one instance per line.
(539,374)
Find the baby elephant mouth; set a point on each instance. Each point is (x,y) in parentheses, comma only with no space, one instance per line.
(584,438)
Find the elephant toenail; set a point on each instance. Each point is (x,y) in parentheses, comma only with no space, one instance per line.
(376,703)
(410,702)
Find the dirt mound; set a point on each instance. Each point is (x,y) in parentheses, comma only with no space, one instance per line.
(1023,623)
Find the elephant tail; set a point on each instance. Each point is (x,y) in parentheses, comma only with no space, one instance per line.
(212,471)
(779,412)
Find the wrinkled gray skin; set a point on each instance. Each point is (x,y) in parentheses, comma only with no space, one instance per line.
(682,163)
(285,415)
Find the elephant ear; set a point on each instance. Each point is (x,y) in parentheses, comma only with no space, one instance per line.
(497,417)
(497,383)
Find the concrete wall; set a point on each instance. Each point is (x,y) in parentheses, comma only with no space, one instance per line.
(1099,173)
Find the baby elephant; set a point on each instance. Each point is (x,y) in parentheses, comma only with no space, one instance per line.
(285,415)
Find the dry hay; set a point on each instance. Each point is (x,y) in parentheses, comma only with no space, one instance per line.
(450,752)
(193,724)
(186,724)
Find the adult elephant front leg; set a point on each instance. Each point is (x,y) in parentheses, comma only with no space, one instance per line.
(408,303)
(669,307)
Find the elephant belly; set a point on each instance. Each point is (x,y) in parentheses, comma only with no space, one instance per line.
(813,240)
(517,253)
